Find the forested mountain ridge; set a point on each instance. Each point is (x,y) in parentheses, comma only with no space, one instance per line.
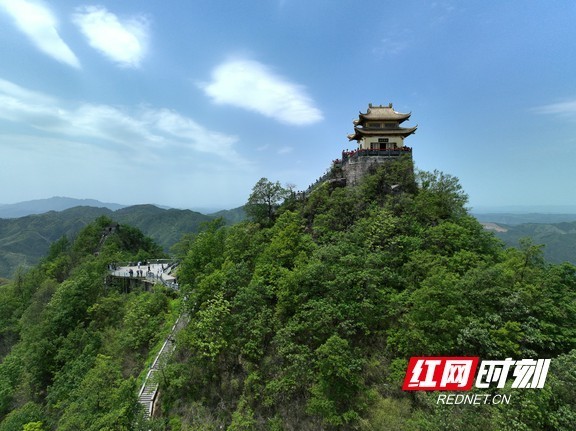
(24,240)
(559,239)
(305,318)
(301,318)
(72,348)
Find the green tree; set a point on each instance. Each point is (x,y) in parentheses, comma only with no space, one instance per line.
(338,384)
(210,331)
(264,201)
(440,197)
(144,316)
(205,254)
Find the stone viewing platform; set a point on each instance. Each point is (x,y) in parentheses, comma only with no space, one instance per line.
(153,271)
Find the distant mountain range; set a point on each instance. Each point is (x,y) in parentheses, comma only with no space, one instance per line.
(28,228)
(26,239)
(557,232)
(58,203)
(521,218)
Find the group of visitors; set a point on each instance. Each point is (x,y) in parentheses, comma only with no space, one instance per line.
(139,272)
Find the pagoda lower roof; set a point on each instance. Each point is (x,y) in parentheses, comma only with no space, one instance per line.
(360,132)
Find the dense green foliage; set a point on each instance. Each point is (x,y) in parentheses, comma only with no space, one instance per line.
(306,320)
(71,347)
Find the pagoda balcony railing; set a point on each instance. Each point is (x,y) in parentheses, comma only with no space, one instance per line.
(395,152)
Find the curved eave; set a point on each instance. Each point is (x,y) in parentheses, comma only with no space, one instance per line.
(361,132)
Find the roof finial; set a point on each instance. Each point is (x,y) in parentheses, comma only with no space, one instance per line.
(390,105)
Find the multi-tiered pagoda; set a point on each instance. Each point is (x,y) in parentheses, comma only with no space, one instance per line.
(379,130)
(380,138)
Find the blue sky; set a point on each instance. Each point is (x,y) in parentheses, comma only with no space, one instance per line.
(188,103)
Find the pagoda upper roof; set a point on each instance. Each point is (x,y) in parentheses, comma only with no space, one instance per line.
(381,113)
(360,132)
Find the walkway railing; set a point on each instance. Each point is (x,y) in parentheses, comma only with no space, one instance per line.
(346,155)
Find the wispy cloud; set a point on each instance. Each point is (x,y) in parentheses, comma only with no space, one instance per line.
(122,41)
(285,150)
(38,23)
(253,86)
(143,131)
(442,11)
(389,46)
(565,109)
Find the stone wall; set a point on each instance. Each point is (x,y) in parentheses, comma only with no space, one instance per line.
(355,168)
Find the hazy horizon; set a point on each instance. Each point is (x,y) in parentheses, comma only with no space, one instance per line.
(504,209)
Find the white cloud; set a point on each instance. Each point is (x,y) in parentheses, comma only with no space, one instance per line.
(8,88)
(253,86)
(39,24)
(123,41)
(566,109)
(202,139)
(142,132)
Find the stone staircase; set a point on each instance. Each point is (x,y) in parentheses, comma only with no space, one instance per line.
(149,390)
(147,397)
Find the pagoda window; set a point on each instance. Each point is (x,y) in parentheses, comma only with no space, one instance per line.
(375,125)
(391,125)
